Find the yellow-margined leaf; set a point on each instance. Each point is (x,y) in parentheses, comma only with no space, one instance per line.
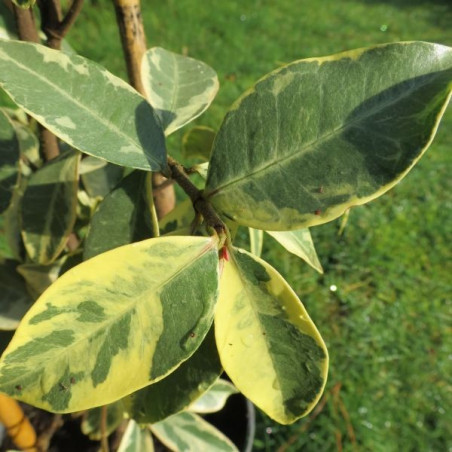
(136,439)
(114,324)
(268,345)
(188,432)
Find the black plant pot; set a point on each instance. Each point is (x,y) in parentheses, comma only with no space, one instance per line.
(237,420)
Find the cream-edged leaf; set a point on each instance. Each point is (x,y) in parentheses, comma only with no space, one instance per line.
(114,324)
(256,241)
(320,135)
(188,432)
(49,207)
(178,87)
(267,343)
(300,243)
(215,398)
(136,439)
(83,104)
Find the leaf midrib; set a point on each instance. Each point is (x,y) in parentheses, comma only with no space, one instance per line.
(92,113)
(105,325)
(286,159)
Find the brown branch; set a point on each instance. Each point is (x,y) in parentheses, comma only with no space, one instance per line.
(133,40)
(25,24)
(103,429)
(70,17)
(201,206)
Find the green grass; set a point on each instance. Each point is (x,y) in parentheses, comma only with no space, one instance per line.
(388,325)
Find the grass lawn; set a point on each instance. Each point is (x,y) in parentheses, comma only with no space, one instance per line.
(388,324)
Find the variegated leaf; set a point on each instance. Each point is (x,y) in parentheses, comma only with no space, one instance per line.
(188,432)
(178,87)
(256,241)
(91,423)
(108,327)
(7,25)
(14,298)
(101,180)
(320,135)
(39,277)
(83,104)
(48,208)
(197,143)
(9,160)
(300,243)
(179,220)
(122,217)
(268,345)
(214,399)
(136,439)
(180,388)
(28,143)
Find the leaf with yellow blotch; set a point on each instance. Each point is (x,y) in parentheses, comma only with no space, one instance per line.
(108,327)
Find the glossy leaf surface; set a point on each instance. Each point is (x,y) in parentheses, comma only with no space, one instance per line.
(107,328)
(101,180)
(48,209)
(178,87)
(122,217)
(180,388)
(79,101)
(256,241)
(300,243)
(40,277)
(179,220)
(136,439)
(321,135)
(197,143)
(268,345)
(14,298)
(9,160)
(215,398)
(187,432)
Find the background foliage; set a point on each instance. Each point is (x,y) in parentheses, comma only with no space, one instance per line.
(387,326)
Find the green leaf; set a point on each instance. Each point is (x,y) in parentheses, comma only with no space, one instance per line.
(11,222)
(107,327)
(91,423)
(101,179)
(178,87)
(7,23)
(83,104)
(122,217)
(40,277)
(90,164)
(14,299)
(180,388)
(28,143)
(48,207)
(179,220)
(321,135)
(24,4)
(267,343)
(256,241)
(136,439)
(215,398)
(300,243)
(187,432)
(9,160)
(197,143)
